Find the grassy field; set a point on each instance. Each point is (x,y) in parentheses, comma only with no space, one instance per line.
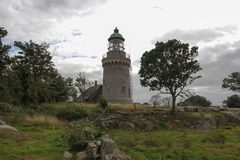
(180,144)
(33,142)
(43,135)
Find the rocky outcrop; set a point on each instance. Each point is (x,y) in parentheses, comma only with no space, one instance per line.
(232,117)
(90,146)
(7,127)
(103,149)
(201,109)
(137,124)
(67,155)
(2,122)
(81,155)
(143,124)
(109,151)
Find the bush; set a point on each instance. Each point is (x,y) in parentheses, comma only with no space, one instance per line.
(71,112)
(103,102)
(233,101)
(196,101)
(5,108)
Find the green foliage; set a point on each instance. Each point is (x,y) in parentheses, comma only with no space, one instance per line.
(5,108)
(5,61)
(82,83)
(233,101)
(30,76)
(40,81)
(196,100)
(71,112)
(169,67)
(232,82)
(103,102)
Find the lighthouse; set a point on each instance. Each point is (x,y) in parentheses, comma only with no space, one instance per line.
(116,71)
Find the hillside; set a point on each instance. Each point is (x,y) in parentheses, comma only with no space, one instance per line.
(46,131)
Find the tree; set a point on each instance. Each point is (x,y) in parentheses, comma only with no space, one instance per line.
(196,100)
(167,101)
(156,100)
(72,92)
(232,101)
(37,61)
(82,83)
(232,82)
(169,68)
(5,62)
(4,57)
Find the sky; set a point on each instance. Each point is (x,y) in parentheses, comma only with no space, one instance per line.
(77,31)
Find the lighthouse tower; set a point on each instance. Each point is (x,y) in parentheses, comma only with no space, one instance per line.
(116,71)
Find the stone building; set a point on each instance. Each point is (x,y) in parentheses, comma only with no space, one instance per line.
(116,71)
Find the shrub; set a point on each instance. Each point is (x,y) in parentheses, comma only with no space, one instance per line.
(196,101)
(71,112)
(103,102)
(5,108)
(233,101)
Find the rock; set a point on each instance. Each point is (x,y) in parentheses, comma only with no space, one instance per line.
(67,155)
(7,127)
(88,132)
(2,122)
(73,125)
(109,122)
(126,125)
(107,147)
(120,155)
(81,155)
(190,109)
(109,151)
(231,117)
(92,149)
(143,124)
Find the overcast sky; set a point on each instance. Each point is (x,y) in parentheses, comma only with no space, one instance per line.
(78,31)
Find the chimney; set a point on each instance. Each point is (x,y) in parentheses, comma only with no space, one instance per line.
(95,83)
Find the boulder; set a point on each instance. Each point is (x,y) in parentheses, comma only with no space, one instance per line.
(7,127)
(2,122)
(92,149)
(127,126)
(231,117)
(81,155)
(107,147)
(67,155)
(143,125)
(190,109)
(109,151)
(109,122)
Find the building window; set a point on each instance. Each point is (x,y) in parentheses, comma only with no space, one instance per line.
(129,92)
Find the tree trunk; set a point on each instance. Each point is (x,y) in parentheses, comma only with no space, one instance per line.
(173,111)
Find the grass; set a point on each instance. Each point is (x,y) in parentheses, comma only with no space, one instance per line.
(38,142)
(180,144)
(42,137)
(43,119)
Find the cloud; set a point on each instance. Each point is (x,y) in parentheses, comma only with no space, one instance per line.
(219,61)
(42,20)
(195,36)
